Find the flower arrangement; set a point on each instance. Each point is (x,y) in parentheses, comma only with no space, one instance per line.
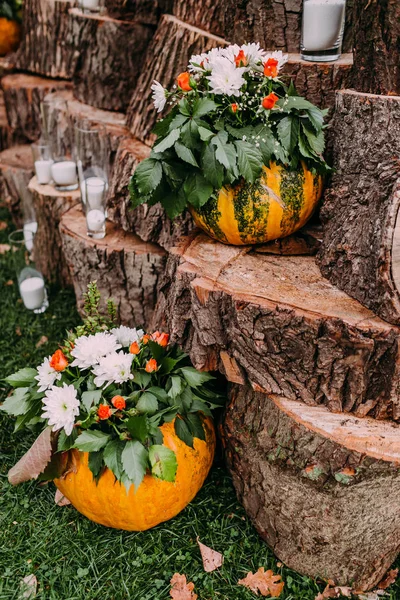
(107,392)
(230,114)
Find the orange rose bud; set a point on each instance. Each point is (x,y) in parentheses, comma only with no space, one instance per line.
(104,412)
(134,348)
(240,59)
(271,68)
(161,338)
(151,366)
(118,402)
(58,361)
(270,100)
(146,338)
(234,107)
(183,81)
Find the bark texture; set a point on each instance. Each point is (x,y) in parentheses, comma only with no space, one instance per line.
(16,170)
(150,223)
(209,15)
(307,479)
(126,269)
(169,52)
(288,329)
(22,96)
(111,55)
(6,134)
(362,202)
(46,47)
(377,46)
(142,11)
(50,205)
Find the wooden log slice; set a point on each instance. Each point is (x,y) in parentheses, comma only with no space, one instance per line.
(321,489)
(142,11)
(286,328)
(169,52)
(150,223)
(360,252)
(126,268)
(16,170)
(5,130)
(208,15)
(50,204)
(22,96)
(46,47)
(111,56)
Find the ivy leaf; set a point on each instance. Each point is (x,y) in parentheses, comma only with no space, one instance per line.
(166,143)
(196,425)
(147,403)
(89,398)
(17,403)
(316,142)
(21,378)
(250,160)
(112,457)
(212,169)
(163,462)
(95,463)
(225,153)
(185,154)
(137,427)
(91,441)
(178,121)
(197,190)
(66,442)
(203,106)
(148,175)
(176,386)
(183,432)
(134,461)
(205,134)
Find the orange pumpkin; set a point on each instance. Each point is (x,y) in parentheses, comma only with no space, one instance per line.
(155,500)
(10,35)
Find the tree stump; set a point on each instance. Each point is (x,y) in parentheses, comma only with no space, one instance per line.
(209,15)
(277,320)
(321,489)
(50,205)
(111,55)
(126,268)
(16,170)
(361,246)
(169,52)
(46,47)
(5,130)
(150,223)
(22,96)
(142,11)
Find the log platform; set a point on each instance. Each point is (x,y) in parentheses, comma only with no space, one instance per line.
(141,11)
(126,268)
(5,131)
(16,170)
(277,322)
(322,489)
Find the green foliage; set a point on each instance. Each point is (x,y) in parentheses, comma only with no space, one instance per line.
(11,9)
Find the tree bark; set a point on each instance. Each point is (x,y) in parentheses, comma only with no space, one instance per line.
(46,47)
(290,331)
(111,55)
(126,269)
(50,205)
(360,249)
(321,490)
(6,135)
(22,96)
(169,52)
(209,15)
(141,11)
(16,170)
(376,46)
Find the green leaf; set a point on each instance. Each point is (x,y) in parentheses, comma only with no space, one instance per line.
(147,403)
(304,147)
(66,442)
(184,107)
(162,126)
(196,425)
(175,173)
(112,457)
(95,463)
(205,134)
(213,171)
(250,161)
(176,386)
(159,393)
(316,117)
(284,131)
(174,204)
(141,378)
(168,364)
(148,175)
(197,189)
(22,378)
(194,377)
(157,351)
(295,102)
(163,462)
(166,143)
(135,461)
(316,142)
(225,152)
(183,432)
(17,403)
(186,399)
(137,427)
(32,414)
(203,106)
(89,398)
(178,121)
(190,135)
(91,441)
(185,154)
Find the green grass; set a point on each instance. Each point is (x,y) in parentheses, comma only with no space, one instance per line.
(75,559)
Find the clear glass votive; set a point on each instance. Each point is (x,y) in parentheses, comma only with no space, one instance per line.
(322,30)
(95,207)
(91,6)
(31,283)
(92,156)
(43,161)
(64,175)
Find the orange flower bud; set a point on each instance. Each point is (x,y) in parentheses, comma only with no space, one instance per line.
(151,366)
(183,81)
(234,107)
(240,59)
(104,412)
(146,338)
(271,68)
(58,361)
(134,348)
(270,100)
(160,338)
(118,402)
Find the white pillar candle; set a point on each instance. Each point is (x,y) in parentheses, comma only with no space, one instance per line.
(95,187)
(32,292)
(95,220)
(29,233)
(90,4)
(64,172)
(322,23)
(43,171)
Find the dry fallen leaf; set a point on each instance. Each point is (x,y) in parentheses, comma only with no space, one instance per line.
(9,282)
(264,582)
(28,587)
(3,225)
(34,461)
(60,499)
(4,248)
(334,591)
(43,340)
(18,331)
(211,558)
(389,578)
(374,595)
(180,589)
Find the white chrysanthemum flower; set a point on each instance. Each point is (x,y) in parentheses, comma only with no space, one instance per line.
(278,55)
(225,78)
(198,62)
(127,335)
(46,376)
(61,406)
(254,54)
(230,52)
(89,349)
(159,96)
(113,368)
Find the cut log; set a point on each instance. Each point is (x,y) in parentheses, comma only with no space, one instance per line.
(150,223)
(50,205)
(126,269)
(361,246)
(291,331)
(5,130)
(169,52)
(111,55)
(22,96)
(46,47)
(16,170)
(209,15)
(142,11)
(321,489)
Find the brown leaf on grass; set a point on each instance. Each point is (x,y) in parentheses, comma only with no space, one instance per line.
(334,591)
(4,248)
(43,340)
(180,589)
(9,282)
(18,331)
(3,225)
(34,461)
(211,558)
(60,499)
(389,578)
(264,582)
(28,587)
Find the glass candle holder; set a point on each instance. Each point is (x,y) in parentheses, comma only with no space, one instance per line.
(95,207)
(91,6)
(63,173)
(31,283)
(322,30)
(92,158)
(43,161)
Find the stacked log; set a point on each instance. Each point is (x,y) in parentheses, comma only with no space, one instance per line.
(142,11)
(16,170)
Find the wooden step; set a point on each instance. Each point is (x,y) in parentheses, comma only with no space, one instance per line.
(111,56)
(22,96)
(141,11)
(126,268)
(322,489)
(281,325)
(16,170)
